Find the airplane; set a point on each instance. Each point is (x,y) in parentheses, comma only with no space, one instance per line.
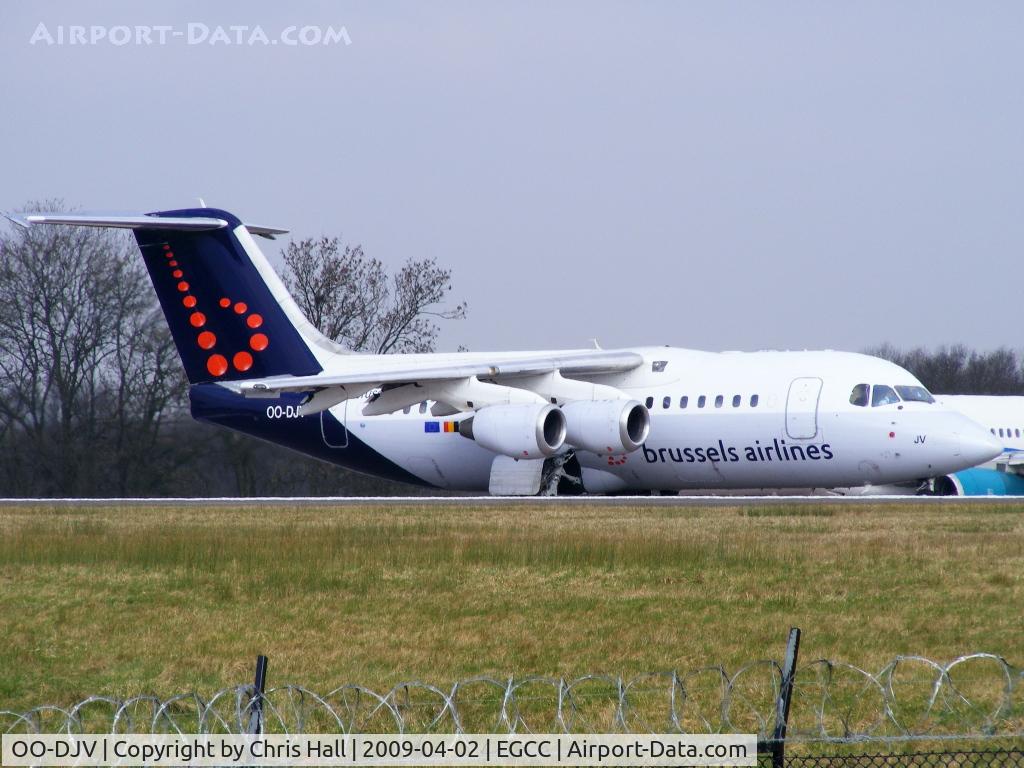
(635,420)
(1003,415)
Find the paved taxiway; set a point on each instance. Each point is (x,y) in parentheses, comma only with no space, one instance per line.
(518,501)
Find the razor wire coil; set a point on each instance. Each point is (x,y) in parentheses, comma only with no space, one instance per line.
(973,696)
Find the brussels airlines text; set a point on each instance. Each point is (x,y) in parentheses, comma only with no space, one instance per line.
(770,451)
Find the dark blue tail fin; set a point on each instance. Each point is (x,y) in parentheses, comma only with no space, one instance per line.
(228,312)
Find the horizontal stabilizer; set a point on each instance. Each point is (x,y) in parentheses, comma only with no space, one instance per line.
(141,221)
(267,232)
(180,223)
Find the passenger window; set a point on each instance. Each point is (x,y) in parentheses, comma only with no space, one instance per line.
(1000,431)
(718,401)
(1016,433)
(915,394)
(684,401)
(993,430)
(423,407)
(666,402)
(701,401)
(859,396)
(649,402)
(753,401)
(736,401)
(882,394)
(407,409)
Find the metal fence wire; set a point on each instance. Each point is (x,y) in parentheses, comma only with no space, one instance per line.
(913,712)
(982,758)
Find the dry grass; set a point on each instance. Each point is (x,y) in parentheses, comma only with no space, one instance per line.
(127,600)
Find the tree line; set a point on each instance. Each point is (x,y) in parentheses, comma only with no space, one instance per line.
(960,370)
(93,398)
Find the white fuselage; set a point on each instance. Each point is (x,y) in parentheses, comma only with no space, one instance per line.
(720,420)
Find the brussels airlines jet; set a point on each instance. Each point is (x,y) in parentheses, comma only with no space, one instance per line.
(590,420)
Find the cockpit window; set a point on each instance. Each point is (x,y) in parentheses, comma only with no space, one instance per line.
(882,394)
(915,394)
(859,396)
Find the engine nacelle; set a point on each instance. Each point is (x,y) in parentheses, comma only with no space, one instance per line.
(532,431)
(607,426)
(979,482)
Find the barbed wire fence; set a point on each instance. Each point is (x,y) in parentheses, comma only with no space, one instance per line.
(972,700)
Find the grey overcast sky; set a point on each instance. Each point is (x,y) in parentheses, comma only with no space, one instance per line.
(708,174)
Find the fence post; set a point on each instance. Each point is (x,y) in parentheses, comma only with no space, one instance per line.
(785,696)
(256,702)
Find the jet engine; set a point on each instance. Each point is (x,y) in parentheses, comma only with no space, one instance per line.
(532,431)
(978,482)
(606,426)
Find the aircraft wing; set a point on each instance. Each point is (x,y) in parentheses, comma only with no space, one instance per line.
(377,371)
(1011,462)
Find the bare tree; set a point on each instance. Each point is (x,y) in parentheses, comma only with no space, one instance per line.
(352,299)
(84,378)
(144,386)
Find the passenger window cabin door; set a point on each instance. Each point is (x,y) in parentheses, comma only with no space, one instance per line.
(802,408)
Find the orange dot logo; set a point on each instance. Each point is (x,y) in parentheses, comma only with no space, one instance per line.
(172,263)
(198,319)
(259,342)
(240,308)
(225,303)
(242,361)
(183,286)
(189,301)
(206,340)
(217,365)
(167,247)
(178,273)
(254,321)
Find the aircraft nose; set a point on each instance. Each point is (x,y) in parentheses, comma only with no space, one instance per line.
(977,444)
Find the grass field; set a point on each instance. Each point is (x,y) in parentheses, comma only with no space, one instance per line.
(122,601)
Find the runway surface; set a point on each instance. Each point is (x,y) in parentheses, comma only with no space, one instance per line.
(518,501)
